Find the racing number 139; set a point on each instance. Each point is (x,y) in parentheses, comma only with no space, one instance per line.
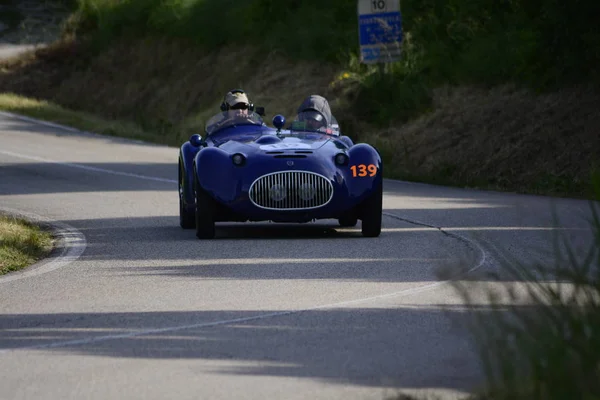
(363,170)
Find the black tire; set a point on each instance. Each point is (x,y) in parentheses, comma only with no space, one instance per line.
(205,212)
(372,209)
(348,221)
(187,219)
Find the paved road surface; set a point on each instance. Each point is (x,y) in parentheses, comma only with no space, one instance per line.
(147,311)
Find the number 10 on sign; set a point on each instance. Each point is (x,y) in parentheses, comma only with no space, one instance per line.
(378,5)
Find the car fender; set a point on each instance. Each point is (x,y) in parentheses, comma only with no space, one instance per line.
(346,140)
(217,174)
(364,171)
(186,162)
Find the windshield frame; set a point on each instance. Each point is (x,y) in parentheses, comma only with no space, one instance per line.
(332,129)
(231,119)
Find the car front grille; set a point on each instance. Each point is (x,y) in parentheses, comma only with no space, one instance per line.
(291,190)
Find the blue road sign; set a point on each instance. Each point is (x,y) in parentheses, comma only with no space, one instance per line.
(380,30)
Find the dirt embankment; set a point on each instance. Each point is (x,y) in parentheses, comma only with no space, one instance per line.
(502,138)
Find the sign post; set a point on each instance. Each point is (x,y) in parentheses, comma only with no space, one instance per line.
(380,31)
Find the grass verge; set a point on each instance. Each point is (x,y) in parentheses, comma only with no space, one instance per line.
(21,244)
(539,336)
(47,111)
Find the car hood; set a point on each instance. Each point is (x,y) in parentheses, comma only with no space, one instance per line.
(272,144)
(291,143)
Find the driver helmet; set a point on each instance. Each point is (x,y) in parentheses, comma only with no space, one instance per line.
(314,120)
(315,111)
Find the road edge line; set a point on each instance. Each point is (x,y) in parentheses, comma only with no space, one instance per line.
(69,245)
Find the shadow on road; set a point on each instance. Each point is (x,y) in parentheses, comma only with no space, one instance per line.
(315,251)
(357,346)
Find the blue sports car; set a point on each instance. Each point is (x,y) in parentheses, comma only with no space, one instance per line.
(243,170)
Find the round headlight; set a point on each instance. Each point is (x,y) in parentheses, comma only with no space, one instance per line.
(306,192)
(238,159)
(277,192)
(341,159)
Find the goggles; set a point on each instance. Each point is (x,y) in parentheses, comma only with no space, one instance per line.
(312,118)
(239,106)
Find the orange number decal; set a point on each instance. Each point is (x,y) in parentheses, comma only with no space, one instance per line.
(372,170)
(361,170)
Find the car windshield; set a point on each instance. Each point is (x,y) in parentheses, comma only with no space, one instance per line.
(298,126)
(232,118)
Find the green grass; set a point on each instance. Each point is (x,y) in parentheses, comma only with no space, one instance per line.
(48,111)
(212,24)
(21,244)
(537,43)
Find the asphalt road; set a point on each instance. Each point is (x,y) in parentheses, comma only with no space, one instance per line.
(141,309)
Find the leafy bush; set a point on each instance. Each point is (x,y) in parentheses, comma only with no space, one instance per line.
(307,29)
(545,344)
(539,43)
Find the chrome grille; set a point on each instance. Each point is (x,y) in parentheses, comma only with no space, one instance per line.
(291,190)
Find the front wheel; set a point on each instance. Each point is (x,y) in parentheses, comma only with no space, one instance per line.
(372,209)
(205,212)
(186,218)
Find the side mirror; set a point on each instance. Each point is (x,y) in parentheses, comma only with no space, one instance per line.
(278,121)
(196,140)
(260,111)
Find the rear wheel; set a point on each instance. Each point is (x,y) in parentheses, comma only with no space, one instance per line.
(205,212)
(371,212)
(186,218)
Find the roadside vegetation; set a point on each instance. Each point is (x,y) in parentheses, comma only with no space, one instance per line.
(486,96)
(31,21)
(21,244)
(81,120)
(535,326)
(500,95)
(9,16)
(537,332)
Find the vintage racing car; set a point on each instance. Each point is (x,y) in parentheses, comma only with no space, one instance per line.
(243,170)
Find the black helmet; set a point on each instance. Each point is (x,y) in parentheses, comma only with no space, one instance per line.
(317,108)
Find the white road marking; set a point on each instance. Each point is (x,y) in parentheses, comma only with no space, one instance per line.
(71,242)
(66,128)
(486,228)
(40,122)
(88,168)
(267,261)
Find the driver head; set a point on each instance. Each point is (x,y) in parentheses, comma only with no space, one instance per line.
(318,104)
(313,119)
(237,100)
